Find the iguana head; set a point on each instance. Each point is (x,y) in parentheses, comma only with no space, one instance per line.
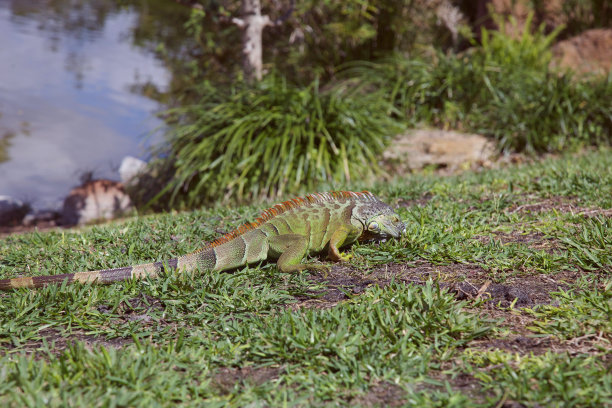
(378,221)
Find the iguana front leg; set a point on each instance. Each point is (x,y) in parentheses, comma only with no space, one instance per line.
(341,236)
(292,249)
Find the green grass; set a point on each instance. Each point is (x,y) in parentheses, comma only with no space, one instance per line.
(550,379)
(586,313)
(399,333)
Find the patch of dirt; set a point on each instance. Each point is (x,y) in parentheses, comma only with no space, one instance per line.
(343,282)
(420,202)
(58,342)
(500,302)
(534,240)
(225,379)
(559,204)
(462,382)
(467,282)
(527,343)
(503,295)
(517,344)
(517,291)
(383,394)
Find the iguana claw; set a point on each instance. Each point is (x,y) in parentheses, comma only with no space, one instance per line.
(345,257)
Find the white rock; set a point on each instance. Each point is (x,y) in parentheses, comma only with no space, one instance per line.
(130,168)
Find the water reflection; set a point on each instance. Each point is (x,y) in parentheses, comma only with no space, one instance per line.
(67,71)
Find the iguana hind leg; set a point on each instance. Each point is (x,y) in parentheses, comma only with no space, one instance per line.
(292,249)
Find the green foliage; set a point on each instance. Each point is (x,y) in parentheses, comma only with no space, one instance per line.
(271,139)
(551,379)
(398,319)
(577,314)
(503,89)
(315,36)
(333,32)
(529,50)
(278,138)
(532,108)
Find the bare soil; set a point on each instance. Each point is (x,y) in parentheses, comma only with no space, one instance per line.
(226,378)
(383,394)
(560,204)
(466,281)
(58,342)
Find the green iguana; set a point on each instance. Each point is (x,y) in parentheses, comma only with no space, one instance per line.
(286,232)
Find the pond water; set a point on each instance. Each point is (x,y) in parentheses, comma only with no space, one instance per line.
(68,104)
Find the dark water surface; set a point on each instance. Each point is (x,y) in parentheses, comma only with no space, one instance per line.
(66,106)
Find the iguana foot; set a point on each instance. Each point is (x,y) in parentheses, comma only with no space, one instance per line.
(341,257)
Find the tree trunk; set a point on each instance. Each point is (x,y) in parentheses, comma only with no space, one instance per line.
(385,35)
(253,24)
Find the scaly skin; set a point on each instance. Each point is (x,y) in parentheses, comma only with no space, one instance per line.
(286,232)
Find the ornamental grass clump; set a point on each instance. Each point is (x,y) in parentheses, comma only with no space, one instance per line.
(270,139)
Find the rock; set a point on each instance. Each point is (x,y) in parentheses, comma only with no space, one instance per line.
(416,149)
(93,201)
(130,169)
(588,52)
(47,218)
(12,211)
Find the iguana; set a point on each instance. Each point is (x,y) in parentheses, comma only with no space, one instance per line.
(287,232)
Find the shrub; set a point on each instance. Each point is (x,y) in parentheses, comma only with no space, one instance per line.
(503,89)
(270,139)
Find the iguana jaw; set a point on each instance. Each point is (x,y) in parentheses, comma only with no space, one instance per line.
(388,230)
(396,230)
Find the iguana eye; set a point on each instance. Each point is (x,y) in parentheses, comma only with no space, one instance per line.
(373,226)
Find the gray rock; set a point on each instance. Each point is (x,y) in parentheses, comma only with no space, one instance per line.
(416,149)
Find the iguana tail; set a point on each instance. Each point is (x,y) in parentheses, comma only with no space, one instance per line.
(100,277)
(204,259)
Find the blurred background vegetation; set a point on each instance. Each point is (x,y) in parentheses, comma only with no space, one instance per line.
(342,78)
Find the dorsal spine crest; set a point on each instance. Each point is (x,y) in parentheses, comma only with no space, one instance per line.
(288,205)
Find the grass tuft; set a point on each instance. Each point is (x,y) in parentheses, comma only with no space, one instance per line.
(269,140)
